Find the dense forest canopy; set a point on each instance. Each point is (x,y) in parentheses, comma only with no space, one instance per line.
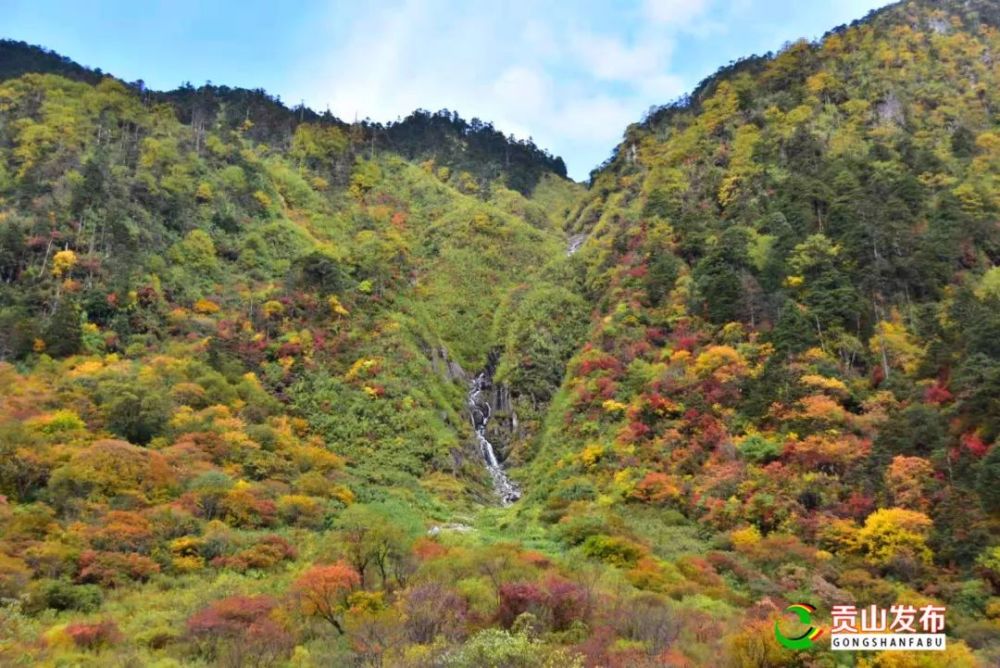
(754,363)
(474,146)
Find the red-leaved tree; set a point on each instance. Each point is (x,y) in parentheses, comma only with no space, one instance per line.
(323,591)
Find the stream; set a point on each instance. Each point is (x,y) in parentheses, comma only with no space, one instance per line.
(480,409)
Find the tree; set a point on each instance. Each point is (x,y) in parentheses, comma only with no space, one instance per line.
(13,250)
(755,647)
(517,598)
(113,569)
(793,333)
(918,429)
(819,282)
(324,591)
(365,177)
(63,595)
(377,536)
(63,262)
(988,564)
(656,488)
(94,635)
(908,480)
(977,388)
(19,333)
(136,411)
(760,449)
(988,480)
(318,146)
(376,631)
(720,278)
(648,619)
(895,347)
(895,537)
(107,468)
(195,258)
(64,334)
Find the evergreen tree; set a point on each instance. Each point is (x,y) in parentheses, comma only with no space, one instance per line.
(64,333)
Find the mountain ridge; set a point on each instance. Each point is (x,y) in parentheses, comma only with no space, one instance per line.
(454,142)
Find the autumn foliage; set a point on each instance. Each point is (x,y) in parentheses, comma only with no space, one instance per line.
(754,361)
(324,592)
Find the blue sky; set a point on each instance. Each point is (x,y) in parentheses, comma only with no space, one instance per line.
(571,75)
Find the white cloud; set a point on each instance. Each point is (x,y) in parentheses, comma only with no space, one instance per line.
(571,85)
(678,13)
(610,59)
(540,39)
(523,89)
(662,88)
(601,119)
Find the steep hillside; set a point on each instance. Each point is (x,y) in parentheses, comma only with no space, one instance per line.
(790,387)
(206,339)
(243,349)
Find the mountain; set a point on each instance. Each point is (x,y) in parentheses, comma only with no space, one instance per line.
(473,146)
(284,390)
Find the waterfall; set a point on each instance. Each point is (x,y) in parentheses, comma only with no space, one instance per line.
(481,411)
(575,242)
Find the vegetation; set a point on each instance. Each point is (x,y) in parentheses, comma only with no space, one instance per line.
(236,341)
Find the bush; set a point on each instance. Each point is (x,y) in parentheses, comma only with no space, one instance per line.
(301,510)
(92,636)
(649,619)
(240,630)
(759,450)
(494,648)
(136,413)
(432,610)
(613,550)
(64,595)
(575,529)
(267,553)
(112,569)
(517,598)
(565,603)
(320,272)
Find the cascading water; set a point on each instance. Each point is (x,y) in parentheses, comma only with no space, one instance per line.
(481,411)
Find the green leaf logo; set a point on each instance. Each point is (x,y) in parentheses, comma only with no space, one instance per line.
(805,640)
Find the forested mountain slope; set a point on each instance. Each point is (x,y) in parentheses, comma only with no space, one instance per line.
(211,346)
(237,342)
(790,389)
(474,147)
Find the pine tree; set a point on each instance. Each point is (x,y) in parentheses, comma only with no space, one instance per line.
(64,335)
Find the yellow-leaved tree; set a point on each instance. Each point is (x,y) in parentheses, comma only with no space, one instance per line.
(62,262)
(894,537)
(895,346)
